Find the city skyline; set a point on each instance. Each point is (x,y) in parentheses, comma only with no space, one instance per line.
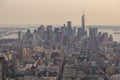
(98,12)
(59,40)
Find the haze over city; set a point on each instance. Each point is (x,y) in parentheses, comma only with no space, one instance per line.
(59,40)
(99,12)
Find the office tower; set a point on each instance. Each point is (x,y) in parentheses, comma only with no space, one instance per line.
(93,32)
(58,34)
(65,40)
(28,31)
(35,35)
(49,35)
(99,34)
(49,32)
(74,32)
(41,32)
(69,28)
(41,28)
(49,28)
(56,30)
(25,37)
(105,37)
(20,35)
(79,33)
(3,68)
(28,35)
(64,25)
(59,37)
(111,38)
(83,24)
(100,37)
(64,30)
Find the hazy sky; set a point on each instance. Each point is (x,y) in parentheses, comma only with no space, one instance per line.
(104,12)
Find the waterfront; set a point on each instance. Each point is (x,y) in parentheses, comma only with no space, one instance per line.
(12,31)
(116,37)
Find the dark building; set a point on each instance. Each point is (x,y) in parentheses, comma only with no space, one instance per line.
(111,38)
(79,33)
(83,24)
(41,32)
(93,32)
(20,35)
(105,37)
(3,68)
(74,32)
(64,30)
(69,28)
(49,28)
(56,30)
(49,35)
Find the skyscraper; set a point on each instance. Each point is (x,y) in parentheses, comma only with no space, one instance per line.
(69,28)
(64,30)
(49,32)
(79,33)
(83,24)
(49,35)
(56,29)
(20,35)
(35,35)
(93,32)
(41,31)
(74,31)
(49,28)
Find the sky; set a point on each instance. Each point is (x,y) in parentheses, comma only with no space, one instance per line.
(97,12)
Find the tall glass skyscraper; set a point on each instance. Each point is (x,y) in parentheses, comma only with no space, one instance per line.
(83,24)
(69,28)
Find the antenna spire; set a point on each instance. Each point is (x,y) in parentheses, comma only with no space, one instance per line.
(83,12)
